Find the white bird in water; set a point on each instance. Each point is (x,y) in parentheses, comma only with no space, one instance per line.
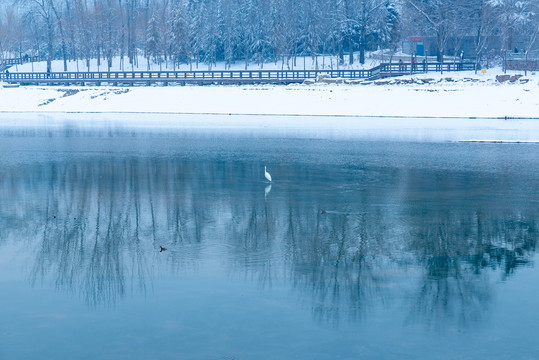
(267,174)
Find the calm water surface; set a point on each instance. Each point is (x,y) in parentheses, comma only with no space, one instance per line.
(422,250)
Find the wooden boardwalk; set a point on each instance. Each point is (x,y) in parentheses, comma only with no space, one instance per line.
(229,77)
(7,63)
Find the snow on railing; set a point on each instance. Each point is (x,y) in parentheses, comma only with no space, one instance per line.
(228,76)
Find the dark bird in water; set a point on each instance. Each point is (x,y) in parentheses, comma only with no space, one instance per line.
(162,248)
(323,211)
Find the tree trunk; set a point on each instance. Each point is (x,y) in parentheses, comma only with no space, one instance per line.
(362,45)
(98,56)
(50,36)
(350,50)
(246,54)
(64,54)
(340,51)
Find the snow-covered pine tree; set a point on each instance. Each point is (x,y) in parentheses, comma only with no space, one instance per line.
(179,34)
(152,41)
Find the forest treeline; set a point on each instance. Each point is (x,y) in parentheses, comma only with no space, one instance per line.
(256,31)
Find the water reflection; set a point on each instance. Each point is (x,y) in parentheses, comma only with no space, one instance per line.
(459,253)
(96,223)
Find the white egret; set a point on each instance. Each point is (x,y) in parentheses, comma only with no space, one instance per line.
(267,174)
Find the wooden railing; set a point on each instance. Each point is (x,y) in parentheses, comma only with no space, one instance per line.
(224,76)
(6,63)
(419,67)
(220,75)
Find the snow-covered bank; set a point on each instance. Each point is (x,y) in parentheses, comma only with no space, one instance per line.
(443,95)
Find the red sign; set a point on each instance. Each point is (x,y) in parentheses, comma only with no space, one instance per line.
(415,38)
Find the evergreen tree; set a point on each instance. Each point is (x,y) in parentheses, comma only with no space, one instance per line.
(152,41)
(179,34)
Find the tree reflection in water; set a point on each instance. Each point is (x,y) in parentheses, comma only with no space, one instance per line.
(461,244)
(97,224)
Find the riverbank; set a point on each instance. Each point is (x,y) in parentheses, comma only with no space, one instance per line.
(462,95)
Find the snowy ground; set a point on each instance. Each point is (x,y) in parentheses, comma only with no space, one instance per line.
(301,63)
(372,59)
(427,95)
(465,105)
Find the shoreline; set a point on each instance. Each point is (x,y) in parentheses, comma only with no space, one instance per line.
(358,116)
(522,131)
(430,106)
(439,100)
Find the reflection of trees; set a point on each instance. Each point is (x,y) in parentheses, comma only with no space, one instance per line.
(97,223)
(97,220)
(335,260)
(480,241)
(459,252)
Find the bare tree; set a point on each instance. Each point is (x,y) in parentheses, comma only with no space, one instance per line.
(483,26)
(44,10)
(439,16)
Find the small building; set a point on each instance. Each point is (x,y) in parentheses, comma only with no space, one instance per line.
(413,46)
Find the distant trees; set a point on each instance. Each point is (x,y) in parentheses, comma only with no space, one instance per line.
(204,31)
(516,18)
(501,26)
(44,10)
(207,31)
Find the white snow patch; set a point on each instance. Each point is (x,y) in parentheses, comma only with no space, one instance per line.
(463,106)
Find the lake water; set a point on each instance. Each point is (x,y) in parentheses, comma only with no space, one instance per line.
(357,250)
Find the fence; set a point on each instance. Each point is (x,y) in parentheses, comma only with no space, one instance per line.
(6,63)
(224,77)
